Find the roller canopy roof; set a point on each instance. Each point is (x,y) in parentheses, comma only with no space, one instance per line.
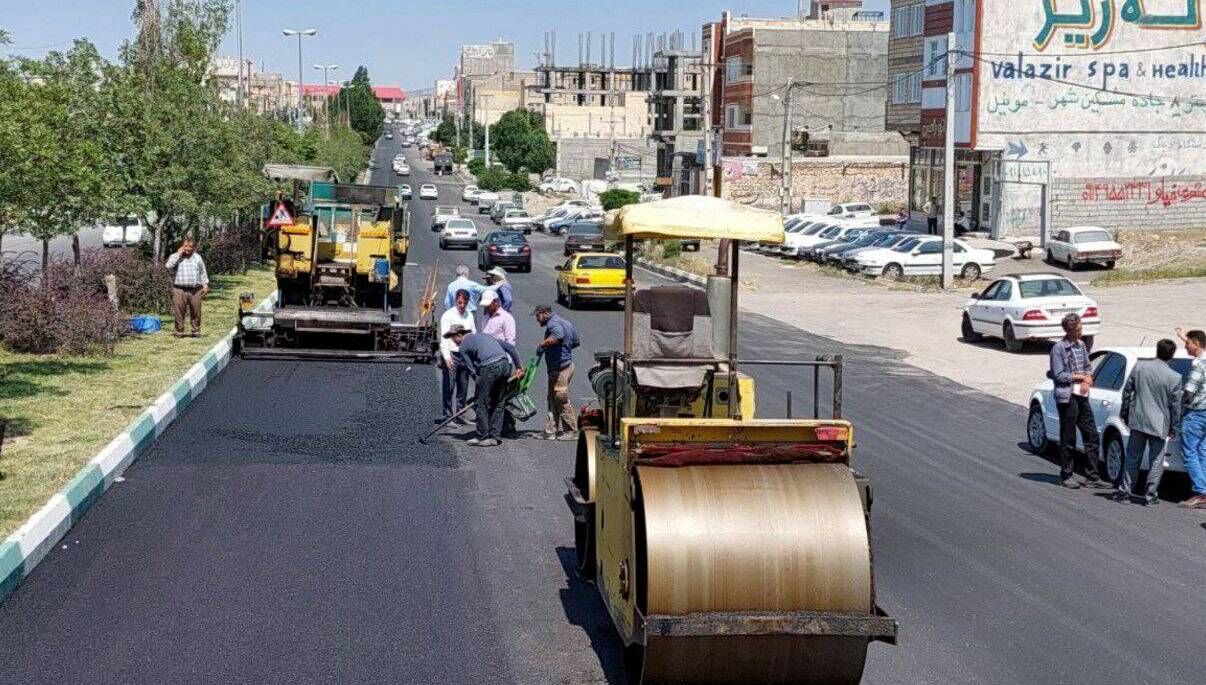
(694,216)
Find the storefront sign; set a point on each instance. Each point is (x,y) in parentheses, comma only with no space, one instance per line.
(1014,171)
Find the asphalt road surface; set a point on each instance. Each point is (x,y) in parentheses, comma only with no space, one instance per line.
(290,528)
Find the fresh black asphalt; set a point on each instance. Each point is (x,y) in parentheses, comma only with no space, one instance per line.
(289,528)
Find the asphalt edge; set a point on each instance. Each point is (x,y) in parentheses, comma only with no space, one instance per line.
(24,549)
(672,273)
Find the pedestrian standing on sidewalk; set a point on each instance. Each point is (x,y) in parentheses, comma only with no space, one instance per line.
(189,285)
(1073,377)
(454,376)
(931,215)
(1151,408)
(560,339)
(463,282)
(1193,418)
(493,364)
(496,280)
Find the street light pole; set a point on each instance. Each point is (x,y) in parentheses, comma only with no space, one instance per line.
(326,84)
(785,185)
(486,97)
(300,33)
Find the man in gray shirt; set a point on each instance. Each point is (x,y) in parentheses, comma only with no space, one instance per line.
(493,363)
(1151,408)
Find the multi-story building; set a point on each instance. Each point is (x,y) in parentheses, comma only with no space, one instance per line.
(1058,123)
(482,61)
(488,97)
(676,116)
(593,101)
(263,92)
(836,58)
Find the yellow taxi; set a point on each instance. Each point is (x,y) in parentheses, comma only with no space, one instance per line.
(590,276)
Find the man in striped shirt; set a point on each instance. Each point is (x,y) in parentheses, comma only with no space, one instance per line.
(190,284)
(1193,418)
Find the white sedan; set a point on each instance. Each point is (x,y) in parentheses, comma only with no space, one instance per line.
(1017,308)
(428,191)
(458,232)
(1111,368)
(922,256)
(469,194)
(1083,245)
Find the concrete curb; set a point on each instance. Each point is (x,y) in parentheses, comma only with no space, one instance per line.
(29,545)
(672,273)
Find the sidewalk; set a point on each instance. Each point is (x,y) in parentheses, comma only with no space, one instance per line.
(922,328)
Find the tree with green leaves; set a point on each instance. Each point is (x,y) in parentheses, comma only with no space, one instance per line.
(71,179)
(520,142)
(366,114)
(618,197)
(14,140)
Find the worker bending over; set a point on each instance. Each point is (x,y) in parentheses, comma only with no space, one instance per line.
(493,363)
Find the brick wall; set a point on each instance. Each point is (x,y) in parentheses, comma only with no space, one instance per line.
(1130,203)
(756,182)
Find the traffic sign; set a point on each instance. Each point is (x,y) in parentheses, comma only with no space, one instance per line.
(280,216)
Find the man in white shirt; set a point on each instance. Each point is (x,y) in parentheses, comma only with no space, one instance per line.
(190,283)
(455,376)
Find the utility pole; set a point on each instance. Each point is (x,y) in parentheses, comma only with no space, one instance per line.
(239,93)
(785,186)
(948,190)
(300,33)
(486,97)
(707,122)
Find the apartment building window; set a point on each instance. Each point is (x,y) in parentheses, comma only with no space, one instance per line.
(965,29)
(907,88)
(730,116)
(736,116)
(736,68)
(908,21)
(934,57)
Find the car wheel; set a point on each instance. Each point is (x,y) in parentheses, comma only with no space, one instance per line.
(970,272)
(571,302)
(893,272)
(560,296)
(1113,455)
(1036,430)
(1110,264)
(1070,263)
(527,268)
(443,246)
(1012,344)
(969,332)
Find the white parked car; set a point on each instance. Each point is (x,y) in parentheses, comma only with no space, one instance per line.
(846,231)
(404,192)
(1022,307)
(516,220)
(558,185)
(428,191)
(458,232)
(850,210)
(128,230)
(798,229)
(484,200)
(797,243)
(469,194)
(1083,245)
(1111,368)
(922,256)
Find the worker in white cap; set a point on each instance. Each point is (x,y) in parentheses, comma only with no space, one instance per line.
(496,280)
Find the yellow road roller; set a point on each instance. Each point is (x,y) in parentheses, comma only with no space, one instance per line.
(726,548)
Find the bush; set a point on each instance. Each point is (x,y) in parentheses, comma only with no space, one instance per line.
(477,166)
(617,197)
(459,155)
(142,286)
(492,180)
(73,320)
(671,248)
(231,251)
(519,181)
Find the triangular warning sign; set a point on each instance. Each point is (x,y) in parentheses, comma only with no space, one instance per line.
(280,216)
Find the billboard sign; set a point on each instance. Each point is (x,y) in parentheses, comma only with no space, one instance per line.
(1090,68)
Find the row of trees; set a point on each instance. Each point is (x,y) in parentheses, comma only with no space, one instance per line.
(84,140)
(518,143)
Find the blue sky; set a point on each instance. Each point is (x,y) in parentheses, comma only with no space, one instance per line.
(405,43)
